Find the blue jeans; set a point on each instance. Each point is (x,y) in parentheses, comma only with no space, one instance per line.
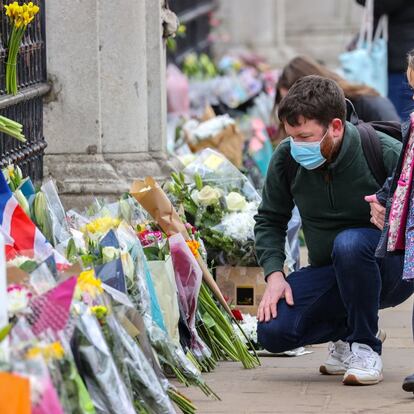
(340,301)
(400,94)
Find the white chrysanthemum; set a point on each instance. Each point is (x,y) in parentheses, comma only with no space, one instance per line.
(239,226)
(249,326)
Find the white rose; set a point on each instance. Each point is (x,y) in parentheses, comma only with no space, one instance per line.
(109,254)
(235,202)
(208,196)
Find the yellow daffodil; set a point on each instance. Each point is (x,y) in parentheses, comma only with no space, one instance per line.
(20,16)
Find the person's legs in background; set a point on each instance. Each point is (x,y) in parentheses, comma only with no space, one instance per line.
(400,94)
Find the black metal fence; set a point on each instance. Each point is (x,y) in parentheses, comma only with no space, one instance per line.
(27,106)
(195,15)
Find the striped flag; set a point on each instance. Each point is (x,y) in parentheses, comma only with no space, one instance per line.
(20,233)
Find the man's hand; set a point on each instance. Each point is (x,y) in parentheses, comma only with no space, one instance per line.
(276,289)
(377,211)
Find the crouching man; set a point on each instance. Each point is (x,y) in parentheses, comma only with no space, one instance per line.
(322,169)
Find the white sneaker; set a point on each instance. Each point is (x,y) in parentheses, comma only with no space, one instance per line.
(339,352)
(364,366)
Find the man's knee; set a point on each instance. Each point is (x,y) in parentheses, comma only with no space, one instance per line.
(351,245)
(276,335)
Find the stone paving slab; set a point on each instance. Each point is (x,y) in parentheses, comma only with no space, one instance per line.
(293,385)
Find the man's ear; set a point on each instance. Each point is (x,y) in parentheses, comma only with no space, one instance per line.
(337,127)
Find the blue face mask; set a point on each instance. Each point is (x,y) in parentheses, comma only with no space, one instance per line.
(308,154)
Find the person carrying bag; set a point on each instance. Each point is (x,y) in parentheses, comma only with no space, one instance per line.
(367,63)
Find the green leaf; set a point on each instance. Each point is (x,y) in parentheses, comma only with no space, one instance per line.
(28,266)
(175,177)
(208,320)
(5,331)
(198,181)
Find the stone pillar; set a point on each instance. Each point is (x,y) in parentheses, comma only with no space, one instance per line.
(105,119)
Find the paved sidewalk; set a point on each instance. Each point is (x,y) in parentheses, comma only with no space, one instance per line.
(293,385)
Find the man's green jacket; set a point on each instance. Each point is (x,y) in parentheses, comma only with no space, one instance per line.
(330,199)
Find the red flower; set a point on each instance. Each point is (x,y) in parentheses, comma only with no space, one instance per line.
(237,314)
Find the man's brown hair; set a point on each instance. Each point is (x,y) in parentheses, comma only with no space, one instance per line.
(313,97)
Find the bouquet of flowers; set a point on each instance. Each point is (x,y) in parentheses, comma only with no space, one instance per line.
(147,391)
(154,241)
(20,16)
(162,274)
(221,203)
(155,201)
(132,321)
(35,338)
(94,359)
(71,390)
(188,277)
(169,352)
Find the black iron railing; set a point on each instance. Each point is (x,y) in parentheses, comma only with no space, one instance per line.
(27,106)
(195,15)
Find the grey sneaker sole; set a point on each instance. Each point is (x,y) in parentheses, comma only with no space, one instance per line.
(353,380)
(324,371)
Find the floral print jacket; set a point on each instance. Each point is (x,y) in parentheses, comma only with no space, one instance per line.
(386,193)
